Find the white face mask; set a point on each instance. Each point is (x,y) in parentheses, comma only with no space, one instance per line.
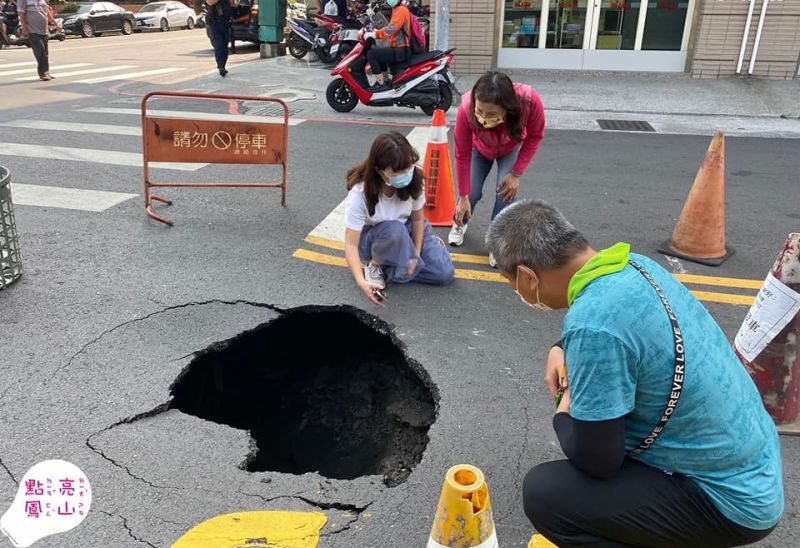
(538,305)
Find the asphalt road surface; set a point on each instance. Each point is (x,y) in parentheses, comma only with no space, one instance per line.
(112,308)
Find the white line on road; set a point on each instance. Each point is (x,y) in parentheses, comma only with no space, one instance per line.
(130,159)
(106,129)
(191,115)
(332,226)
(128,76)
(27,70)
(79,72)
(26,64)
(66,198)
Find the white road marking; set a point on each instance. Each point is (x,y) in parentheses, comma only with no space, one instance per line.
(66,198)
(60,75)
(28,70)
(190,115)
(332,226)
(130,159)
(26,64)
(76,127)
(128,76)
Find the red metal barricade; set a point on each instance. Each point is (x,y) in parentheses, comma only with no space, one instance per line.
(222,139)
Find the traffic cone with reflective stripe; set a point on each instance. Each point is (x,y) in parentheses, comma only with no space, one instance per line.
(440,201)
(464,514)
(699,234)
(767,340)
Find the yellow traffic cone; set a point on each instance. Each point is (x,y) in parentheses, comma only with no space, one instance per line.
(464,514)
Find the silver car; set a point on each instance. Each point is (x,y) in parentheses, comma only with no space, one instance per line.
(164,16)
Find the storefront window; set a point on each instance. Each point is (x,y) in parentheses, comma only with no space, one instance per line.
(566,24)
(618,21)
(663,28)
(521,23)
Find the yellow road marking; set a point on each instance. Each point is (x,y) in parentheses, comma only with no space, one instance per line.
(741,283)
(484,276)
(252,529)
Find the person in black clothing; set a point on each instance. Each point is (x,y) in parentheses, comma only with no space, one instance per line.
(12,17)
(218,17)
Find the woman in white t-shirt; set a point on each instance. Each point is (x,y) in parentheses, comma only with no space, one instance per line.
(386,230)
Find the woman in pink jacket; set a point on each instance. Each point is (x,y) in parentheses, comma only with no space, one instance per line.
(498,121)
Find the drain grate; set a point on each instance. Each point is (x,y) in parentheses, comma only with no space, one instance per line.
(625,125)
(270,110)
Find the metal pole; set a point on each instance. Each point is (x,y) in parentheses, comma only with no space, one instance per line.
(758,36)
(442,25)
(746,35)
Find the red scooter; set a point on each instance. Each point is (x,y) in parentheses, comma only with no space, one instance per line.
(423,81)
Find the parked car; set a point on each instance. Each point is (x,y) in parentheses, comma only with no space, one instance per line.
(164,16)
(245,22)
(94,18)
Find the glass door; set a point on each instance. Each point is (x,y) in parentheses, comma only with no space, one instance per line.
(615,23)
(566,24)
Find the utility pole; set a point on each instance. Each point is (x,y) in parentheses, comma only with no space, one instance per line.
(442,25)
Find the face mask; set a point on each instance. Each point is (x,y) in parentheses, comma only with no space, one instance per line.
(490,123)
(392,3)
(538,305)
(401,181)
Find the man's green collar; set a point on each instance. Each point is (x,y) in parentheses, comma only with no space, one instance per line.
(605,262)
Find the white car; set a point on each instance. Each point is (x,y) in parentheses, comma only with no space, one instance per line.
(164,16)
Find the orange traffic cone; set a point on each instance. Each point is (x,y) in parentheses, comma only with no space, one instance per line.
(440,201)
(699,234)
(464,514)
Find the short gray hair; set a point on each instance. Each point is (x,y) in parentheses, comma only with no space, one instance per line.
(533,234)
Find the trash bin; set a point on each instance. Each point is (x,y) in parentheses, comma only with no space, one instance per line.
(10,263)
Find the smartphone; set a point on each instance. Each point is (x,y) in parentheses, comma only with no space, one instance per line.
(379,294)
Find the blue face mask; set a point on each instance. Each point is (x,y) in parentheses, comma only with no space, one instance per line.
(402,181)
(392,3)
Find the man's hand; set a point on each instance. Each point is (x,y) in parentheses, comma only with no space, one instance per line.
(463,209)
(508,187)
(563,405)
(24,31)
(552,371)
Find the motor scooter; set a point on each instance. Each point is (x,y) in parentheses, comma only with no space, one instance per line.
(422,81)
(12,37)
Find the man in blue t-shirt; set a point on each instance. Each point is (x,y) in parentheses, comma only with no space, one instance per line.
(667,440)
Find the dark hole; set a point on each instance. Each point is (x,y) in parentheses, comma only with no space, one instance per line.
(325,389)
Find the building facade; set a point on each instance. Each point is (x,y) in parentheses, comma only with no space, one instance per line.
(705,38)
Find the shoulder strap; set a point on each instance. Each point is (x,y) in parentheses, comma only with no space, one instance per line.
(678,375)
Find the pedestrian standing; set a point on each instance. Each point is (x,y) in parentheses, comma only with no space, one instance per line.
(498,122)
(218,17)
(667,441)
(35,19)
(385,226)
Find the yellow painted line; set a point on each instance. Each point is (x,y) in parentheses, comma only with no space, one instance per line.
(725,298)
(457,257)
(484,276)
(243,529)
(741,283)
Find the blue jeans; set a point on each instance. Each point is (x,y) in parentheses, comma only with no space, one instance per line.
(219,34)
(479,171)
(390,245)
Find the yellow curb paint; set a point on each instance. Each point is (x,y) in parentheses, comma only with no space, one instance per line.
(256,529)
(325,242)
(485,276)
(740,283)
(457,257)
(538,541)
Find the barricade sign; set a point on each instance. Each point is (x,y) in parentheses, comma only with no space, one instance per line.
(201,138)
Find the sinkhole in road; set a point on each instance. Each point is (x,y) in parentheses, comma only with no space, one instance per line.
(320,389)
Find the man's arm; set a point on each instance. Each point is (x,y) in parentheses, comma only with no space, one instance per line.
(594,447)
(23,22)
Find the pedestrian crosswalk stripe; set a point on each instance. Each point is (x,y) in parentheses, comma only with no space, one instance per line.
(26,64)
(193,115)
(107,129)
(66,198)
(130,159)
(79,72)
(128,76)
(28,70)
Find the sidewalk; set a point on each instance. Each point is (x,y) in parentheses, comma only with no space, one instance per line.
(671,103)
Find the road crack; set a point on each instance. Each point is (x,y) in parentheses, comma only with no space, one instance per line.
(9,472)
(128,529)
(156,313)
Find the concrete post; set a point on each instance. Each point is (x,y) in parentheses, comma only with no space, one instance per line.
(442,25)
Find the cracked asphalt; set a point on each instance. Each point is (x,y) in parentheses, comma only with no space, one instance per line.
(112,307)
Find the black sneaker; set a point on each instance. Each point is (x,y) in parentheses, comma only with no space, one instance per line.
(223,72)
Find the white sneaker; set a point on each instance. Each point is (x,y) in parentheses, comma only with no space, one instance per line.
(374,275)
(456,236)
(492,261)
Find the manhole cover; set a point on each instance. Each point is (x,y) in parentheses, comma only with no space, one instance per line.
(320,389)
(625,125)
